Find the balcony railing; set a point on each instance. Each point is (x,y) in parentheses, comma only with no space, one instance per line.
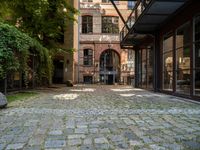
(135,14)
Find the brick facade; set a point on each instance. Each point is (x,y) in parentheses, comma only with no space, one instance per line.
(99,42)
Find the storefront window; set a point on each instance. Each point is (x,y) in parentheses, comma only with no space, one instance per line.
(140,68)
(150,68)
(168,62)
(183,59)
(144,68)
(197,55)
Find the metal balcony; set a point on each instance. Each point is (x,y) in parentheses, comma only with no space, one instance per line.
(146,17)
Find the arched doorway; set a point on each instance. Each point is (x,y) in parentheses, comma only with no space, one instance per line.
(109,67)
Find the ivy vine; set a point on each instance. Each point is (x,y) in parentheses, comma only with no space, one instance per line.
(15,50)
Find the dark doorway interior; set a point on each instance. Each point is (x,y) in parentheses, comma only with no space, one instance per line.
(58,71)
(87,79)
(110,80)
(109,67)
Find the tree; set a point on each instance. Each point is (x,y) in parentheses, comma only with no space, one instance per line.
(44,20)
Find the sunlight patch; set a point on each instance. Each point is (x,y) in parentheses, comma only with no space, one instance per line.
(138,89)
(139,95)
(121,90)
(126,95)
(65,96)
(83,90)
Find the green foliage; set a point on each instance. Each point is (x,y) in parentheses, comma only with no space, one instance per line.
(15,49)
(21,96)
(44,20)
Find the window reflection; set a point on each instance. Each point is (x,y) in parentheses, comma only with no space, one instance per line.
(183,59)
(150,68)
(197,56)
(146,68)
(168,62)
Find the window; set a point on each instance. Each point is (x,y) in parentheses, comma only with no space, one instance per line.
(105,1)
(87,24)
(131,59)
(144,68)
(131,4)
(131,21)
(150,67)
(110,24)
(87,0)
(167,72)
(88,57)
(183,59)
(197,55)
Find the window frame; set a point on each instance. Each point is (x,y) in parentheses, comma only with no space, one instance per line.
(87,26)
(107,21)
(87,58)
(196,69)
(180,70)
(164,52)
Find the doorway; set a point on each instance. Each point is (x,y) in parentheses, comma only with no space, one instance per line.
(58,71)
(109,67)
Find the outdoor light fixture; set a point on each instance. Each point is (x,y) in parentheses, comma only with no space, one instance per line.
(64,9)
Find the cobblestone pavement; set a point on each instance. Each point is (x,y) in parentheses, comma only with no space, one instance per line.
(97,117)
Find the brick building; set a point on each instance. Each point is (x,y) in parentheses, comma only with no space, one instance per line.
(100,58)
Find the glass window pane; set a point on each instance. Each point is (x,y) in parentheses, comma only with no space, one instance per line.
(197,55)
(88,57)
(183,58)
(168,43)
(197,82)
(87,24)
(168,61)
(167,80)
(183,35)
(150,68)
(110,24)
(131,4)
(140,68)
(144,80)
(144,54)
(183,81)
(197,28)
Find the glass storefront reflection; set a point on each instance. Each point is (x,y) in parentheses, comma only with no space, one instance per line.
(168,62)
(183,59)
(197,56)
(145,68)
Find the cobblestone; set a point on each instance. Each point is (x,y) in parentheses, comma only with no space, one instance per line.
(101,117)
(16,146)
(55,143)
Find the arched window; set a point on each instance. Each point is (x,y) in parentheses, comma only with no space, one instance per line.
(88,57)
(87,24)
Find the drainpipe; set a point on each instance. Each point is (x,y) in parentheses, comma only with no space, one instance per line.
(78,67)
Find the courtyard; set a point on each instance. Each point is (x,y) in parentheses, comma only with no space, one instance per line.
(89,117)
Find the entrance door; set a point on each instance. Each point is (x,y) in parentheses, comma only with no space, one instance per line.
(87,79)
(110,79)
(109,67)
(58,71)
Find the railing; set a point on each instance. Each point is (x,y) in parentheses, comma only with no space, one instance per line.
(135,14)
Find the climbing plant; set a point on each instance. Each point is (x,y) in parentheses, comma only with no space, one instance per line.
(15,49)
(44,20)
